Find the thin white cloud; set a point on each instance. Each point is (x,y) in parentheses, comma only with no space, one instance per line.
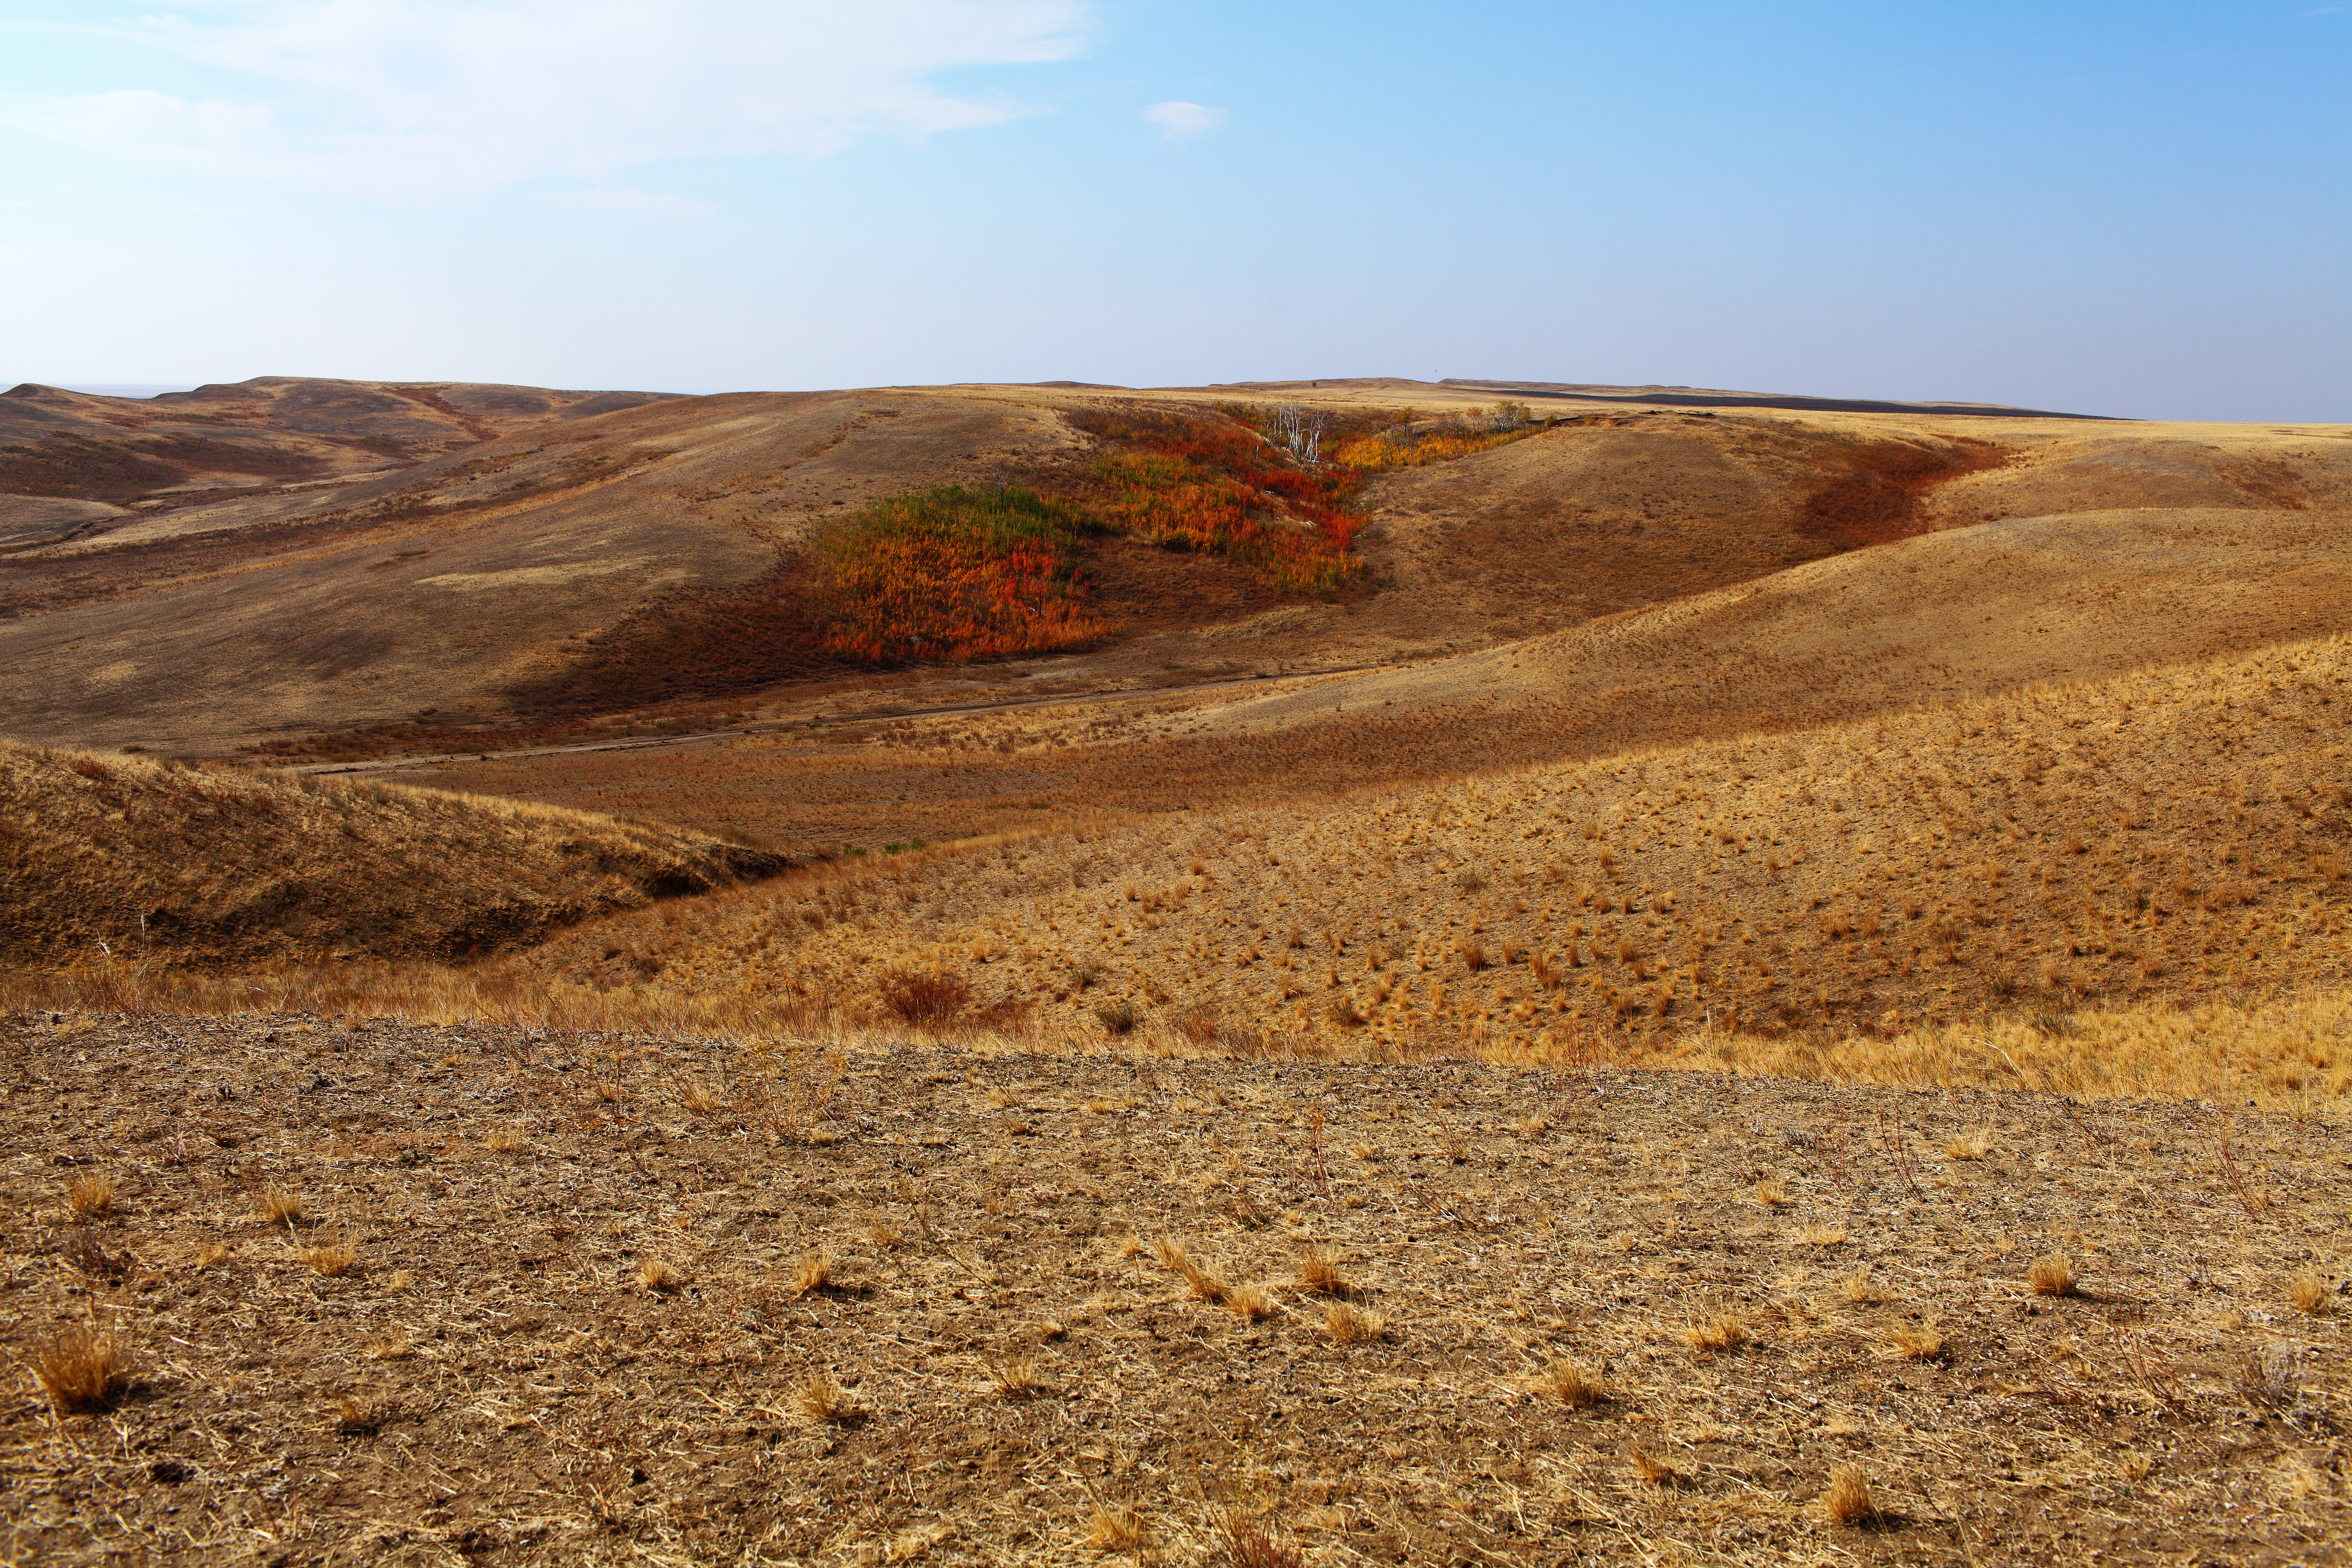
(404,97)
(1178,118)
(657,204)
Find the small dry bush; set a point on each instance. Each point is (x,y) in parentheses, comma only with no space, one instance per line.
(1848,1500)
(1348,1325)
(1204,1285)
(656,1278)
(813,1276)
(91,1196)
(2308,1291)
(2052,1276)
(1247,1541)
(333,1261)
(825,1401)
(925,999)
(1015,1378)
(81,1369)
(1859,1290)
(1319,1272)
(277,1206)
(356,1417)
(1116,1530)
(1573,1384)
(1652,1469)
(1715,1334)
(1918,1342)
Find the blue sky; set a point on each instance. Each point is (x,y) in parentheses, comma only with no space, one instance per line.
(2129,209)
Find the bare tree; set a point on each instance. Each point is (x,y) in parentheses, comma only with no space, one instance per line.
(1299,431)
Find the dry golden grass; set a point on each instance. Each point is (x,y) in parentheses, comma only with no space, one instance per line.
(1348,1324)
(333,1260)
(812,1275)
(2309,1293)
(276,1206)
(91,1196)
(210,1253)
(1968,1145)
(2052,1276)
(824,1401)
(291,866)
(1848,1500)
(1116,1529)
(1249,1302)
(1203,1284)
(1573,1384)
(655,1277)
(2176,972)
(81,1368)
(1918,1341)
(1319,1271)
(1650,1467)
(502,1140)
(1715,1333)
(1598,1242)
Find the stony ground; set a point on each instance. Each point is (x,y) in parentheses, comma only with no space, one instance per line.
(565,1299)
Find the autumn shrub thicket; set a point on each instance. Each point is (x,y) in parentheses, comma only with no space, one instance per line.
(957,573)
(1214,485)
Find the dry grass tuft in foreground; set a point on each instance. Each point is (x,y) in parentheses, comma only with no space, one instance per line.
(82,1369)
(91,1196)
(2052,1276)
(1116,1529)
(1318,1271)
(2309,1293)
(824,1401)
(1848,1500)
(656,1278)
(1573,1384)
(1350,1325)
(277,1206)
(1715,1333)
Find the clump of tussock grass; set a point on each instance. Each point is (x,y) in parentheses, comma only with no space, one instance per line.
(1573,1384)
(1848,1500)
(1347,1324)
(83,1369)
(2053,1275)
(656,1277)
(91,1196)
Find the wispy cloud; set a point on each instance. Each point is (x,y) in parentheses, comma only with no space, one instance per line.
(403,98)
(657,204)
(1178,118)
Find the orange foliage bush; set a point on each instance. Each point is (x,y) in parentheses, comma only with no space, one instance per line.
(1209,484)
(952,574)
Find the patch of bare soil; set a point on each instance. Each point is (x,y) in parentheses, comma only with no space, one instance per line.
(425,1294)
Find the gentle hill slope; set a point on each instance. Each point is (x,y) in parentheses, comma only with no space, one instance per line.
(2177,835)
(134,859)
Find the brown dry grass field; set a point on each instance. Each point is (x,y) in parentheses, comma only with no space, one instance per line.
(394,1292)
(1768,984)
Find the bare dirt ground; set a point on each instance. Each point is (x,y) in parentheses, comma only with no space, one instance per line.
(534,1298)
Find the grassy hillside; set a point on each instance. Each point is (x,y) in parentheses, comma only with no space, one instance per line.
(121,856)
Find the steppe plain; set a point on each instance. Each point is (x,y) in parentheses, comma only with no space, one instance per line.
(1735,979)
